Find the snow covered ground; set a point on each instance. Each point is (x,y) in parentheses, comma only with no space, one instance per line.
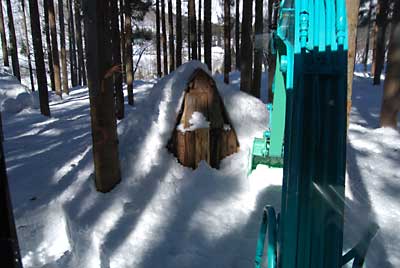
(166,215)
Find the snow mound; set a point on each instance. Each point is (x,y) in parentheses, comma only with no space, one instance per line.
(197,121)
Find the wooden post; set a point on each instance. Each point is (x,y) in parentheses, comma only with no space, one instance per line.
(102,107)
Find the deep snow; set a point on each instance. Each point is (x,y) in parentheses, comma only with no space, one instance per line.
(166,215)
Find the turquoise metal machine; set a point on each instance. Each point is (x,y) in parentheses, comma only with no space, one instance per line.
(308,233)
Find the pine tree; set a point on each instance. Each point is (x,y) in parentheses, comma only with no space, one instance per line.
(164,37)
(171,37)
(79,43)
(39,57)
(246,50)
(3,37)
(207,33)
(391,95)
(122,32)
(65,88)
(72,45)
(48,45)
(128,52)
(104,127)
(54,46)
(227,40)
(13,42)
(28,50)
(365,60)
(158,44)
(258,48)
(178,33)
(199,32)
(381,23)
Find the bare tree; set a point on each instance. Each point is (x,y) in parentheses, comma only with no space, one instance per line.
(246,50)
(3,37)
(13,42)
(199,32)
(102,109)
(365,60)
(62,47)
(54,46)
(171,37)
(227,40)
(237,34)
(258,47)
(48,45)
(178,33)
(164,37)
(193,34)
(72,45)
(158,44)
(391,94)
(28,50)
(207,33)
(39,57)
(128,52)
(381,22)
(79,43)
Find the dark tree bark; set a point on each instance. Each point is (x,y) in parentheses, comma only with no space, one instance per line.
(178,33)
(171,37)
(48,44)
(227,40)
(79,43)
(199,32)
(72,45)
(102,109)
(381,23)
(164,37)
(158,44)
(258,47)
(13,42)
(193,33)
(122,31)
(128,53)
(39,57)
(391,94)
(237,34)
(116,59)
(207,33)
(3,37)
(28,50)
(9,253)
(65,88)
(246,50)
(54,46)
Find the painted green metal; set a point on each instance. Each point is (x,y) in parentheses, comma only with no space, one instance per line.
(312,45)
(268,226)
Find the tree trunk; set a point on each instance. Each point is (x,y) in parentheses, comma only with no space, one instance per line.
(102,110)
(128,53)
(391,95)
(352,20)
(3,37)
(246,50)
(79,44)
(258,47)
(72,45)
(54,46)
(171,37)
(164,37)
(48,44)
(365,60)
(13,42)
(10,255)
(381,22)
(193,33)
(28,50)
(116,59)
(62,47)
(199,33)
(39,57)
(158,44)
(178,33)
(207,33)
(227,40)
(237,35)
(122,31)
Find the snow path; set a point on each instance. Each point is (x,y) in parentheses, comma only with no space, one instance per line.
(165,215)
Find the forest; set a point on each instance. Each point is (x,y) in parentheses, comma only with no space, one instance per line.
(199,133)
